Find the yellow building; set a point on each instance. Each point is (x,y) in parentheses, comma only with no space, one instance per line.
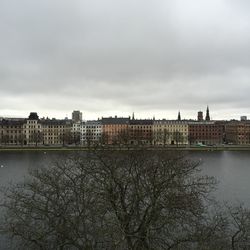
(11,131)
(167,132)
(56,132)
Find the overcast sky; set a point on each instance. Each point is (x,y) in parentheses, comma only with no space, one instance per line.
(113,57)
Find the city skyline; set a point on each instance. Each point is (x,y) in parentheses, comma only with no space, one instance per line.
(178,116)
(123,131)
(153,58)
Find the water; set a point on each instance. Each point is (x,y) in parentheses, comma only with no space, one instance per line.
(14,166)
(231,169)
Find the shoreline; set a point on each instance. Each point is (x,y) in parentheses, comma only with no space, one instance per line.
(107,148)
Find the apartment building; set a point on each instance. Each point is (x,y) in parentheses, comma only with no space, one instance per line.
(88,132)
(206,132)
(166,132)
(12,132)
(33,130)
(115,130)
(238,132)
(56,132)
(140,132)
(93,133)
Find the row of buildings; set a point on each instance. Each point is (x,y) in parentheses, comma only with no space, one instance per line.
(122,131)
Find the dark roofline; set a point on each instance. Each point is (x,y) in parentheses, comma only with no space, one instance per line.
(12,122)
(115,120)
(141,122)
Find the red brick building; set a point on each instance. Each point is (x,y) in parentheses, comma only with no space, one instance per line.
(115,130)
(238,132)
(140,132)
(207,132)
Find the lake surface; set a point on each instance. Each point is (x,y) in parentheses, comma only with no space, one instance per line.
(231,169)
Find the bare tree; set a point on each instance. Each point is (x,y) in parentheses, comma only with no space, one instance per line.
(36,137)
(178,137)
(66,137)
(76,138)
(21,139)
(5,139)
(123,137)
(53,209)
(239,231)
(151,196)
(104,138)
(116,200)
(166,135)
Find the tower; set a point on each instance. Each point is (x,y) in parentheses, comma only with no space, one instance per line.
(200,116)
(76,116)
(207,114)
(179,116)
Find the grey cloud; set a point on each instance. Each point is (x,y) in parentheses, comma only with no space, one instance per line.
(132,55)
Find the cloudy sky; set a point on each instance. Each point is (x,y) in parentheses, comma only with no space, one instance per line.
(107,57)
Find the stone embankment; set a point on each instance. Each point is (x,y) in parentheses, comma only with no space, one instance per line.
(117,147)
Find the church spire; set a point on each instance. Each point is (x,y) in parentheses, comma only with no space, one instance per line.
(133,116)
(207,114)
(179,116)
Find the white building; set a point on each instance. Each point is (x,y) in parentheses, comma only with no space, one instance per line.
(93,133)
(90,132)
(33,130)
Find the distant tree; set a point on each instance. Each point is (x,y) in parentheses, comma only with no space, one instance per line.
(21,139)
(157,136)
(89,137)
(166,135)
(162,136)
(104,138)
(36,137)
(76,138)
(177,137)
(123,137)
(137,136)
(5,139)
(67,137)
(191,139)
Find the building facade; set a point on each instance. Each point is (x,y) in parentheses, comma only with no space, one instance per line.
(33,130)
(238,132)
(115,130)
(93,133)
(140,132)
(12,131)
(167,132)
(206,132)
(56,132)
